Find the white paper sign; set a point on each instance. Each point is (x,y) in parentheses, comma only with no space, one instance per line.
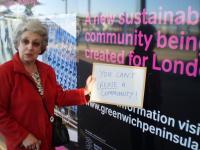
(118,84)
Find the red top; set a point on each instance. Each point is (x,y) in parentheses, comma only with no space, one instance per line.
(21,108)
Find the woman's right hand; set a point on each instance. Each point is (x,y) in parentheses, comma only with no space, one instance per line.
(31,142)
(89,84)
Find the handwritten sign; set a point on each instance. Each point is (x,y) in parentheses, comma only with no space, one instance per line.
(118,84)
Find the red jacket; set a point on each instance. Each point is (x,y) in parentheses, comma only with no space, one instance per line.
(21,108)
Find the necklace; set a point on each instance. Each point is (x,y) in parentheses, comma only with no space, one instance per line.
(36,78)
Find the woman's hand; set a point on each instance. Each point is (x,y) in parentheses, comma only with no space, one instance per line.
(31,142)
(89,84)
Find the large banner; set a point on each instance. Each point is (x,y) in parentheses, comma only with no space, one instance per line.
(164,37)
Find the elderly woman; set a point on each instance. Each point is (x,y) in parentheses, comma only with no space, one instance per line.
(24,80)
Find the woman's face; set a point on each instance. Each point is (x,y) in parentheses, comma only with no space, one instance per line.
(29,47)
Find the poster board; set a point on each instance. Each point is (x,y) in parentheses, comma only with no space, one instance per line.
(118,84)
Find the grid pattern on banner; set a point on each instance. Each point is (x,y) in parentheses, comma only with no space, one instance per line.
(61,55)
